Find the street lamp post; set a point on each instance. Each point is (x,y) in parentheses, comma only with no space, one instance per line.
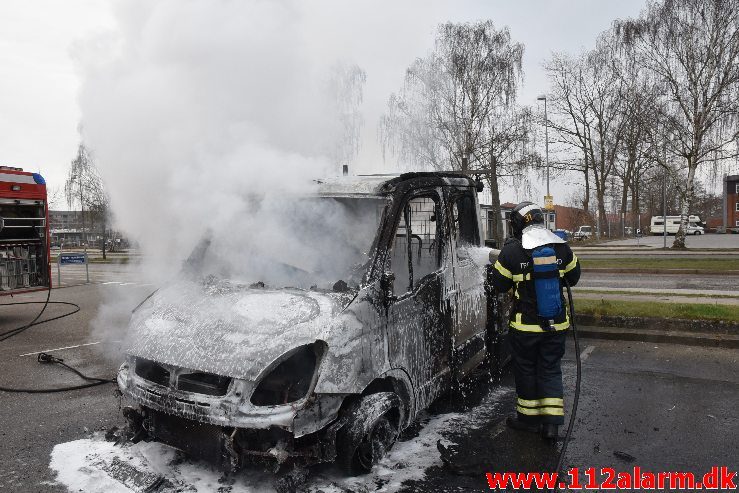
(546,147)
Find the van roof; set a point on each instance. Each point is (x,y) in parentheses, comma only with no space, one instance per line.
(383,184)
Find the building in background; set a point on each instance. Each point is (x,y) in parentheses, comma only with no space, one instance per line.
(571,218)
(68,228)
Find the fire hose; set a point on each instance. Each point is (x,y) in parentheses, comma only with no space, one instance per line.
(575,400)
(47,358)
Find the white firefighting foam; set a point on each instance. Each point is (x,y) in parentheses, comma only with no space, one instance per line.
(85,465)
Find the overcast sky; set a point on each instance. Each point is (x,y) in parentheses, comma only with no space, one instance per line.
(40,80)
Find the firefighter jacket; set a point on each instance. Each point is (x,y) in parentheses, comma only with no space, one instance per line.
(514,269)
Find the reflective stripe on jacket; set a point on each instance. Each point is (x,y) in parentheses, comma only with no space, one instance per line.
(514,269)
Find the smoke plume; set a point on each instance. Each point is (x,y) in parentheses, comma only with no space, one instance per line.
(206,118)
(191,107)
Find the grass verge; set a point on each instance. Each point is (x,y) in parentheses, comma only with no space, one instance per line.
(654,309)
(713,264)
(651,293)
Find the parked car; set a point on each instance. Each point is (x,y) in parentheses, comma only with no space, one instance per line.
(245,369)
(583,233)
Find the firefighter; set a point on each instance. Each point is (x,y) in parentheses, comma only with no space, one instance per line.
(533,263)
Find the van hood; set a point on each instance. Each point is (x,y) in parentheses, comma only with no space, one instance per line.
(230,329)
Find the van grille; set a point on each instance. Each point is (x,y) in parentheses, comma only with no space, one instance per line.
(204,383)
(152,372)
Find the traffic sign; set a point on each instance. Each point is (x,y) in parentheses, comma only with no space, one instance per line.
(72,258)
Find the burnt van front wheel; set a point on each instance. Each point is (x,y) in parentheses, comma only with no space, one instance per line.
(370,431)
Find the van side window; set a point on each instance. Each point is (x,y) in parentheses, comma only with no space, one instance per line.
(463,221)
(415,250)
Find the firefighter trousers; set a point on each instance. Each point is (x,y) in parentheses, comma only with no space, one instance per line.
(537,368)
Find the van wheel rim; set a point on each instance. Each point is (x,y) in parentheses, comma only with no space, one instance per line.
(376,444)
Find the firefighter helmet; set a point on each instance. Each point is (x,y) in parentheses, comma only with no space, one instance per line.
(524,215)
(527,225)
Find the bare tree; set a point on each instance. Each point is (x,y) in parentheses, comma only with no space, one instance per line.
(457,109)
(639,91)
(692,47)
(509,151)
(439,116)
(587,102)
(84,187)
(570,115)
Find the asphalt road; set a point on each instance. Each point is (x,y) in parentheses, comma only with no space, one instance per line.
(663,408)
(700,241)
(108,275)
(667,406)
(30,425)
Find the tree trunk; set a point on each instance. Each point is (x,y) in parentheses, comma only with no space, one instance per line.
(586,199)
(624,200)
(635,215)
(83,236)
(602,218)
(105,237)
(495,200)
(687,202)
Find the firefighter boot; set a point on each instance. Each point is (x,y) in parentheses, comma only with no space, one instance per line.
(517,424)
(549,431)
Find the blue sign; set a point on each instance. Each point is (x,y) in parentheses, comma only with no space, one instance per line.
(72,258)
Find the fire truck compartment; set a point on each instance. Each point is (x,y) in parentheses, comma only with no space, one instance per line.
(23,249)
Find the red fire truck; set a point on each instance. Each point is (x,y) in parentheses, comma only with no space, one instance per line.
(25,263)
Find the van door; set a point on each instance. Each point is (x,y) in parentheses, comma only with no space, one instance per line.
(469,317)
(417,328)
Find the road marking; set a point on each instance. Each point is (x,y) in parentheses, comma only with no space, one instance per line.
(586,352)
(60,348)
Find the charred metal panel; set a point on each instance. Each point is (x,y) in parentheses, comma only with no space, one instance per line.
(321,410)
(469,298)
(418,340)
(351,360)
(200,440)
(229,329)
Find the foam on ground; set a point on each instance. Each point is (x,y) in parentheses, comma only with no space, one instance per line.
(85,465)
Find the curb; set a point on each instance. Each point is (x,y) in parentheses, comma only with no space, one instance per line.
(717,327)
(683,338)
(711,333)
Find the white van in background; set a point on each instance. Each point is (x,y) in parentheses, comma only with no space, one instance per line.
(657,226)
(583,233)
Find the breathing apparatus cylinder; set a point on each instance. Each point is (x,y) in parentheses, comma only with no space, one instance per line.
(546,281)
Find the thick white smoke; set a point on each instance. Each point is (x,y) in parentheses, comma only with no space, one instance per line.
(203,114)
(192,106)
